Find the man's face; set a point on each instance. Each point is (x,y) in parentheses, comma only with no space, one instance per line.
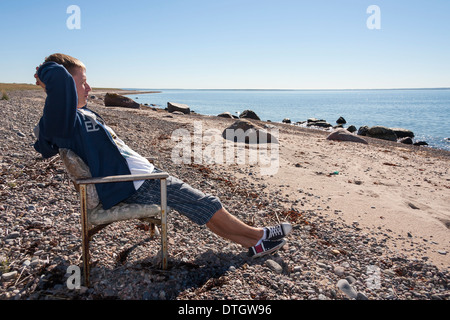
(83,88)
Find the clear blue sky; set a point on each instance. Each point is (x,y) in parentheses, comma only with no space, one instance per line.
(291,44)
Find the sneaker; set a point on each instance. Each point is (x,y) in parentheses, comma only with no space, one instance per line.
(265,247)
(278,232)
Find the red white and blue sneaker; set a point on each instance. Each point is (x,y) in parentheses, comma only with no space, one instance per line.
(265,247)
(277,232)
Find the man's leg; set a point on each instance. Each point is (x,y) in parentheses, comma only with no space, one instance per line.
(205,209)
(227,226)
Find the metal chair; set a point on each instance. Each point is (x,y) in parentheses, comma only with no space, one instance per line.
(94,218)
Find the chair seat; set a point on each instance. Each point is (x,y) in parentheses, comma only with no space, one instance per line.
(121,212)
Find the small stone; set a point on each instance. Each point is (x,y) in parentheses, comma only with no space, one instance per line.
(443,252)
(13,235)
(297,269)
(335,252)
(348,290)
(274,266)
(361,296)
(35,262)
(339,270)
(9,275)
(350,279)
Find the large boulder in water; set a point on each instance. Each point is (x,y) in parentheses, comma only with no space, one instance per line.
(406,140)
(381,132)
(313,122)
(403,133)
(116,100)
(249,114)
(341,120)
(362,131)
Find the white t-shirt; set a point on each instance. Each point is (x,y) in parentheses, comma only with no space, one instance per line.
(136,163)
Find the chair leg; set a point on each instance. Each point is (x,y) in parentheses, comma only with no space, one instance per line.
(84,235)
(164,223)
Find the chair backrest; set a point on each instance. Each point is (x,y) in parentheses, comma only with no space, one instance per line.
(77,169)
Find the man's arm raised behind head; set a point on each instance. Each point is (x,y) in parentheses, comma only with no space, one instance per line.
(59,116)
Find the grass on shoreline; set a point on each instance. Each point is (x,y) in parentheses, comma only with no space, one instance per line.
(4,95)
(4,87)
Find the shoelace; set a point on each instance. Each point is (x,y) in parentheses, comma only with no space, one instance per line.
(275,231)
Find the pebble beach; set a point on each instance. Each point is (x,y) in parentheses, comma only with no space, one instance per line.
(370,221)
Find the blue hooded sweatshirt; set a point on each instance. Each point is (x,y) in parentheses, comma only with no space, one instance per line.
(62,125)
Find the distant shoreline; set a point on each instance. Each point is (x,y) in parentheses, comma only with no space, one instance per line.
(121,91)
(30,86)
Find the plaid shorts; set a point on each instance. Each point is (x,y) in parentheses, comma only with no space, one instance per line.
(190,202)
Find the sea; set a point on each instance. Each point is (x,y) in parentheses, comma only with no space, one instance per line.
(426,112)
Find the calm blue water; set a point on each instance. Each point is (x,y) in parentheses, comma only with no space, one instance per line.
(426,111)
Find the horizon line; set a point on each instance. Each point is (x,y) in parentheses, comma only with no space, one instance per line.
(255,89)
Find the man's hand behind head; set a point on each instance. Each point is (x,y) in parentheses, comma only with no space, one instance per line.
(38,81)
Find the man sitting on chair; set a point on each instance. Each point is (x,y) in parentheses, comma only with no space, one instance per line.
(68,123)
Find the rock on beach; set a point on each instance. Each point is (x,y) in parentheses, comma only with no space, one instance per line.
(227,115)
(117,100)
(341,120)
(273,265)
(385,133)
(248,132)
(345,135)
(174,107)
(347,289)
(380,132)
(313,122)
(403,133)
(249,114)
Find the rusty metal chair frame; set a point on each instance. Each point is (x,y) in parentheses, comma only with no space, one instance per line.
(88,232)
